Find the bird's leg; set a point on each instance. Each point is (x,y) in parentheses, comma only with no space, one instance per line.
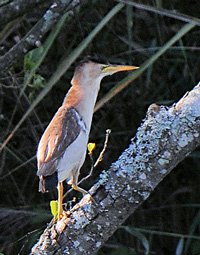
(84,192)
(74,186)
(60,199)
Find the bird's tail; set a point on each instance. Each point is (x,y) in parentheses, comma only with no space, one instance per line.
(48,183)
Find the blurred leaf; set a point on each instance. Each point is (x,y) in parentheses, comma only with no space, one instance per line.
(140,236)
(32,58)
(123,251)
(91,147)
(134,75)
(28,62)
(54,208)
(195,248)
(38,81)
(179,248)
(194,226)
(63,67)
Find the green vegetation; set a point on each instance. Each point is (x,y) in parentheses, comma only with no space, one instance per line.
(162,37)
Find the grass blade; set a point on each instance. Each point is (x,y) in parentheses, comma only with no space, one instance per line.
(126,81)
(64,66)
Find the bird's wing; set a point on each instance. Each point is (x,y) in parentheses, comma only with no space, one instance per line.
(61,132)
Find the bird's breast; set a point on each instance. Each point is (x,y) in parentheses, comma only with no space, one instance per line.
(73,158)
(86,107)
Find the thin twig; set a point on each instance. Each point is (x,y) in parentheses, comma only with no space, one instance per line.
(131,179)
(163,12)
(17,168)
(34,37)
(16,8)
(108,131)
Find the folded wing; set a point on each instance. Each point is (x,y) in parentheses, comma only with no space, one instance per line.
(61,132)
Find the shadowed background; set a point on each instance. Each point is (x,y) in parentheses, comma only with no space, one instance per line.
(131,37)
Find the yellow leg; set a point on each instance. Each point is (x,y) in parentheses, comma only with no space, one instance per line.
(84,192)
(74,186)
(60,198)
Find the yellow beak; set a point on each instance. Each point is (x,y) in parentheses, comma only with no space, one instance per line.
(118,68)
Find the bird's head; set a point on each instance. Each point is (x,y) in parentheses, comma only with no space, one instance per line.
(91,70)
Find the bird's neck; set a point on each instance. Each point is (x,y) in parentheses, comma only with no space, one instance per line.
(83,100)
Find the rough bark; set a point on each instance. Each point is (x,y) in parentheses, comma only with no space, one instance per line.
(17,8)
(34,37)
(164,139)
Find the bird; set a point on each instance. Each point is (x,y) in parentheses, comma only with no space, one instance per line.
(62,148)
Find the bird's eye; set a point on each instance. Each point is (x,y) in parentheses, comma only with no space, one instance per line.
(103,67)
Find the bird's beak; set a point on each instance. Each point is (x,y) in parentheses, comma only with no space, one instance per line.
(118,68)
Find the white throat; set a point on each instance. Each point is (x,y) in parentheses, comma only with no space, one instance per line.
(86,105)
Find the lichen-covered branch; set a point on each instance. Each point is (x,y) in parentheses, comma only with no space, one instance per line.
(16,8)
(165,138)
(34,37)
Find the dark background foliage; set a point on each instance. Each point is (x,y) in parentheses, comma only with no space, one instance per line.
(131,37)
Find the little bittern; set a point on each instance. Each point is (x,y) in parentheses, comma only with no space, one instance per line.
(62,148)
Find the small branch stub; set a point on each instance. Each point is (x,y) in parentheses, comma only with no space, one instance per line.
(164,139)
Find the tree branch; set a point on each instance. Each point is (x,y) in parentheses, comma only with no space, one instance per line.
(17,8)
(165,138)
(34,37)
